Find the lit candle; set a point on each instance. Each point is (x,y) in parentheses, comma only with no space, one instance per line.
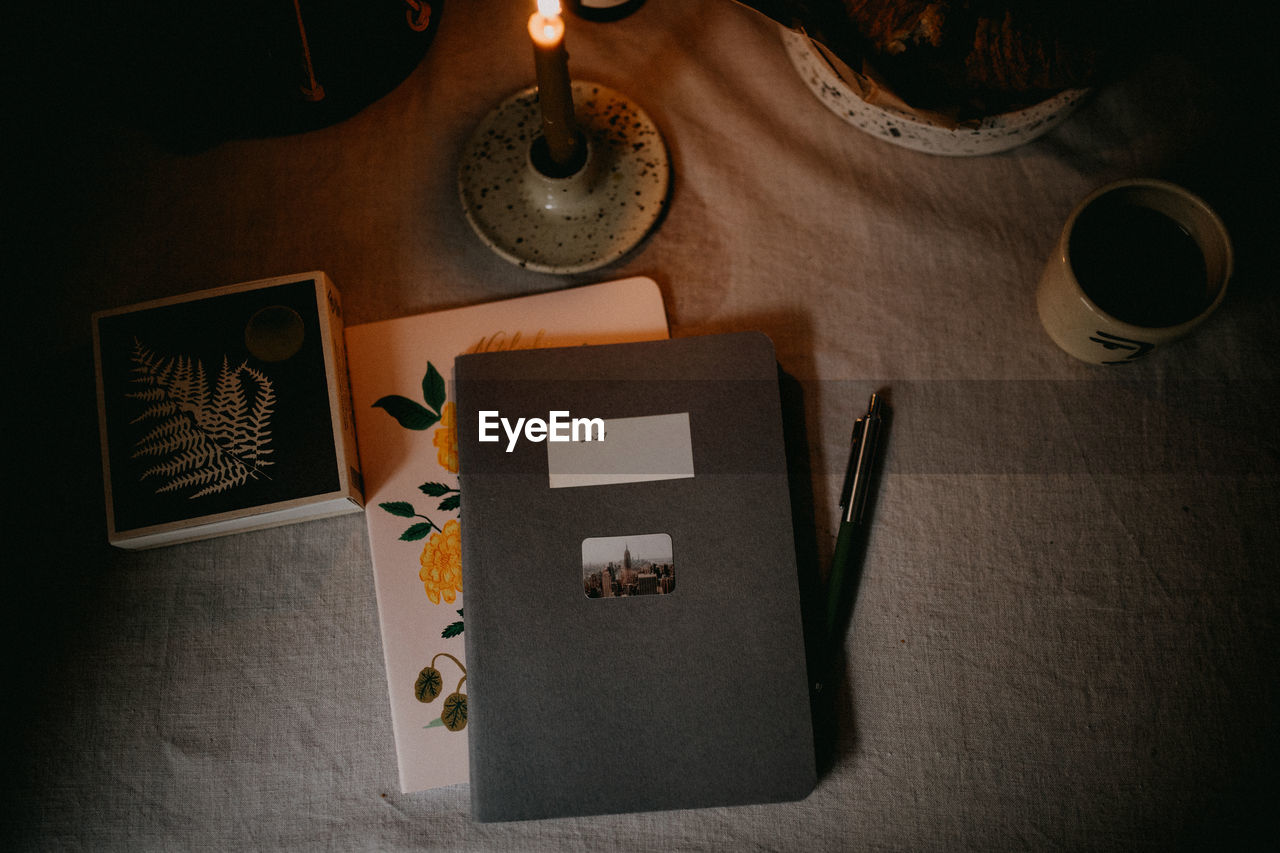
(555,95)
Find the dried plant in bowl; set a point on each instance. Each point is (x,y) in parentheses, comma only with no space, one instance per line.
(963,77)
(979,57)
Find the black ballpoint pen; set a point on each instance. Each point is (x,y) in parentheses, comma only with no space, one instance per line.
(853,502)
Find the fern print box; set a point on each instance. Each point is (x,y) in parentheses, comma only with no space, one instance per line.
(225,410)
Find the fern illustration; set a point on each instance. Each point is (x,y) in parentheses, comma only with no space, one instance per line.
(203,439)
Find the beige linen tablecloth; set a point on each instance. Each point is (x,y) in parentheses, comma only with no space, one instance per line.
(1065,633)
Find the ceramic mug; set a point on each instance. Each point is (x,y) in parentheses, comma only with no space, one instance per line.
(1139,263)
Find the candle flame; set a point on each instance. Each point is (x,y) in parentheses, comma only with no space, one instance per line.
(548,8)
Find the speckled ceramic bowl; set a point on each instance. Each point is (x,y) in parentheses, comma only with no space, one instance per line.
(991,135)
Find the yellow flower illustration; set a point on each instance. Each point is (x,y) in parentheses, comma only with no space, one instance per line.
(446,439)
(441,572)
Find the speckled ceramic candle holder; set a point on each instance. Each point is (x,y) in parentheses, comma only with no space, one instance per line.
(570,224)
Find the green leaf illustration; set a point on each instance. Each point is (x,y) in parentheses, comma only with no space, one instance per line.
(417,531)
(409,414)
(400,508)
(453,629)
(433,387)
(428,685)
(454,712)
(450,502)
(435,490)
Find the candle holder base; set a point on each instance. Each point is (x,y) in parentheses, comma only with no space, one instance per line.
(577,222)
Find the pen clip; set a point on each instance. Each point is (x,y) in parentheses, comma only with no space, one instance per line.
(846,490)
(862,461)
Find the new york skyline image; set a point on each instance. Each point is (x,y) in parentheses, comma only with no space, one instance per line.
(625,566)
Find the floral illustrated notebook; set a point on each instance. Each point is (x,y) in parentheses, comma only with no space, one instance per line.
(405,425)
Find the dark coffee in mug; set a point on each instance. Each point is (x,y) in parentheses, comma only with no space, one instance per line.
(1138,264)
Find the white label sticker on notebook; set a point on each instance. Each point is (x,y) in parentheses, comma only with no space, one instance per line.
(634,450)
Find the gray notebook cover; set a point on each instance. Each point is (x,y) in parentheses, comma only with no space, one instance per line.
(632,627)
